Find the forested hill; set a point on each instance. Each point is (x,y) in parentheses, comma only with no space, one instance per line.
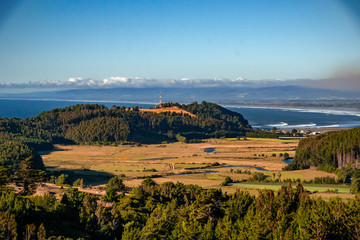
(336,149)
(97,124)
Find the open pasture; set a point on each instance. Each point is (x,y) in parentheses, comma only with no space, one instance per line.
(308,187)
(129,158)
(282,140)
(325,191)
(180,162)
(168,109)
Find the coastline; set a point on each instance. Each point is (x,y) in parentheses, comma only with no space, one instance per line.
(334,111)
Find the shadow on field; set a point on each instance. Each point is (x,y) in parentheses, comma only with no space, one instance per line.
(90,177)
(52,149)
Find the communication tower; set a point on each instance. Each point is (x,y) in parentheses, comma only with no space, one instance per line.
(160,100)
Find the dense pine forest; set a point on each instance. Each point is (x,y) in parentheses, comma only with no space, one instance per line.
(177,211)
(337,152)
(335,149)
(96,124)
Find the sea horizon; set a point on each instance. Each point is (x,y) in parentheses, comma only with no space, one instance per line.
(258,117)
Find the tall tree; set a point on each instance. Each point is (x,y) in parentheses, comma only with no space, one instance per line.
(26,177)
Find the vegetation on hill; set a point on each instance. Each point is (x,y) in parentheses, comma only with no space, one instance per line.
(337,152)
(20,165)
(12,153)
(338,149)
(96,124)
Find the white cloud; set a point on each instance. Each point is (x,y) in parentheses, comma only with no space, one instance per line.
(140,82)
(5,84)
(72,79)
(112,80)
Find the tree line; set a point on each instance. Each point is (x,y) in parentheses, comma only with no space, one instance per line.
(178,211)
(336,152)
(334,149)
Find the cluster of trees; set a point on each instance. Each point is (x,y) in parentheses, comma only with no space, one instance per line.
(93,123)
(335,152)
(21,165)
(35,143)
(257,133)
(273,133)
(337,149)
(12,153)
(326,180)
(178,211)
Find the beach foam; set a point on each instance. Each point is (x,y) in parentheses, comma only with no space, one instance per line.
(286,125)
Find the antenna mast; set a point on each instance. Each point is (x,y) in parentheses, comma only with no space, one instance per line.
(160,100)
(155,102)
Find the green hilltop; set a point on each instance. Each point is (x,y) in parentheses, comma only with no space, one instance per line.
(97,124)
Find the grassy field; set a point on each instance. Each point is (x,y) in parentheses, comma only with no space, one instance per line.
(325,191)
(283,140)
(96,164)
(169,109)
(308,187)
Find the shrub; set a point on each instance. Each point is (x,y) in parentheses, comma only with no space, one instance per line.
(116,183)
(181,138)
(257,176)
(355,186)
(63,179)
(227,181)
(110,195)
(78,183)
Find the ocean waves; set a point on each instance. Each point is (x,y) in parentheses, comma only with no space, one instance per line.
(306,110)
(324,111)
(279,125)
(290,118)
(284,125)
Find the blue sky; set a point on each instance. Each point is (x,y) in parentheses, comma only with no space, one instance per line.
(59,39)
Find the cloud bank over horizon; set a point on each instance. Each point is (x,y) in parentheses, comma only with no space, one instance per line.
(349,81)
(139,82)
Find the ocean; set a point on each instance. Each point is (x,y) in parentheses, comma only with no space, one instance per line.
(263,118)
(290,118)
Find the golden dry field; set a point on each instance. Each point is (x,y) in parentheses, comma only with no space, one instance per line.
(168,109)
(186,163)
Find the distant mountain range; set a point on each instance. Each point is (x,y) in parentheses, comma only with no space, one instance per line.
(222,95)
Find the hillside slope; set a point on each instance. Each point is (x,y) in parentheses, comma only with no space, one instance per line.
(337,149)
(97,124)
